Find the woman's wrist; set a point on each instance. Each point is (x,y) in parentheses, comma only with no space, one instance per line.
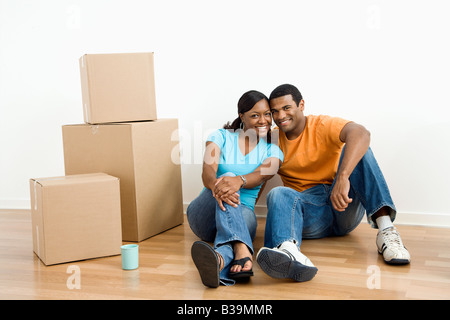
(243,180)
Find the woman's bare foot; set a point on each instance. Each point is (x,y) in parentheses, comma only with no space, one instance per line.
(241,251)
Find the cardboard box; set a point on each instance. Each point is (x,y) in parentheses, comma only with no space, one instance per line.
(118,87)
(75,217)
(145,156)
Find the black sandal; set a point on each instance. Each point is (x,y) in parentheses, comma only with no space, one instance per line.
(241,274)
(207,262)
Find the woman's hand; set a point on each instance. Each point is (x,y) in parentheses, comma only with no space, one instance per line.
(225,190)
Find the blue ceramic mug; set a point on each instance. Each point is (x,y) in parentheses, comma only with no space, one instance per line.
(130,256)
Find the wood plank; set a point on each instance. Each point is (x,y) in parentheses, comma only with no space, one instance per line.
(346,265)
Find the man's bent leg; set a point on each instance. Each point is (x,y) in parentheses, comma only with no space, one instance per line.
(284,219)
(281,257)
(369,187)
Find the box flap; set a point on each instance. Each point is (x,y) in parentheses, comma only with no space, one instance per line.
(77,178)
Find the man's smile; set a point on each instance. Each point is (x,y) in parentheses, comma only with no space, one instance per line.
(284,122)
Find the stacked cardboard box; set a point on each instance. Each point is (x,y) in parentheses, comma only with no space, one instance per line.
(88,213)
(123,137)
(140,154)
(118,87)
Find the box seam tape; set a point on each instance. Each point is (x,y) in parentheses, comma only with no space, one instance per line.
(35,182)
(86,102)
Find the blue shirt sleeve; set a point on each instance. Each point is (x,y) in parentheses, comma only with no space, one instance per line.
(218,137)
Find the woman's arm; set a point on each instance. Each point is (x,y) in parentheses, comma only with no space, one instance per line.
(210,165)
(209,175)
(227,186)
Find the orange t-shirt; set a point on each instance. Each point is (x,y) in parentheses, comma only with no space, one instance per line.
(313,157)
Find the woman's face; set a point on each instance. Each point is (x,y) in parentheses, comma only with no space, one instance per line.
(258,118)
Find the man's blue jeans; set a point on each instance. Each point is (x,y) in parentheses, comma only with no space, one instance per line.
(211,224)
(294,215)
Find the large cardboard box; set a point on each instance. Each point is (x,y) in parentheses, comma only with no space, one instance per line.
(145,156)
(118,87)
(75,217)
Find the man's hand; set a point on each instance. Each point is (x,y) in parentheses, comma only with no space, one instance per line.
(357,141)
(339,195)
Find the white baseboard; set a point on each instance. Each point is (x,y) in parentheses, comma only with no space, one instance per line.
(403,218)
(417,218)
(423,219)
(15,204)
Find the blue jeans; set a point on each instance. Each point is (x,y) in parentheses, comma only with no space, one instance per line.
(294,215)
(211,224)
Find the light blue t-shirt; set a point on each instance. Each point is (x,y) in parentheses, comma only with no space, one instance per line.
(232,159)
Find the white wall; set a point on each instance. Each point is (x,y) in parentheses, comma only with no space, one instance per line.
(383,64)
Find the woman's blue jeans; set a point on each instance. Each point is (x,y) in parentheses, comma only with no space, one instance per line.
(211,224)
(294,215)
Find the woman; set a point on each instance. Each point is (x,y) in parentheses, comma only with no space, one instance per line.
(238,159)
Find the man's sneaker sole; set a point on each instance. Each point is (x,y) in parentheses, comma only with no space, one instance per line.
(280,266)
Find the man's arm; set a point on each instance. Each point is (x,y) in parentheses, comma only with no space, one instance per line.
(357,141)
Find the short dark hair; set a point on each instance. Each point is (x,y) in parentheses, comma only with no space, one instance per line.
(246,103)
(284,90)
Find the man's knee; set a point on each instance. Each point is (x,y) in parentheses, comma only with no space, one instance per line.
(275,194)
(279,192)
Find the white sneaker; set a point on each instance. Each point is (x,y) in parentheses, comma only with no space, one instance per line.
(286,261)
(390,245)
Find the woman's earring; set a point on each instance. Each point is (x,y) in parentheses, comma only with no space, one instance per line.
(241,126)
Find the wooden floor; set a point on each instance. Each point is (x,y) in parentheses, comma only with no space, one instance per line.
(349,268)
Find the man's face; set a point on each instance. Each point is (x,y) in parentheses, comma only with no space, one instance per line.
(287,115)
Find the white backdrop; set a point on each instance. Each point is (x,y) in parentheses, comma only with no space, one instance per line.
(383,64)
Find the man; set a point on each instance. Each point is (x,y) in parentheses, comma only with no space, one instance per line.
(331,178)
